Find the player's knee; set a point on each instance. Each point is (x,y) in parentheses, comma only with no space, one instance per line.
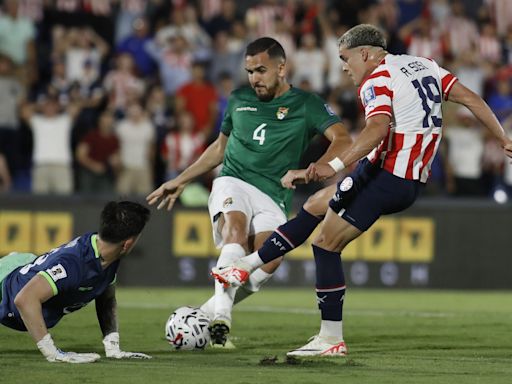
(328,243)
(234,234)
(316,205)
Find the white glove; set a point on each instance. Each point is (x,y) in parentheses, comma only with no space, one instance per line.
(55,355)
(111,343)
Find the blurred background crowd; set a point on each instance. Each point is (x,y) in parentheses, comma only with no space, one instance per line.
(116,96)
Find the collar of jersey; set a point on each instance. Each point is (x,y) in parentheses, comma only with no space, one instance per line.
(94,244)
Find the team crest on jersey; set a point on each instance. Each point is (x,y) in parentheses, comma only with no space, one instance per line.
(369,95)
(282,112)
(227,202)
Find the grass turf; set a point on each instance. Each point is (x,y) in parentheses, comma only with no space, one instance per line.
(393,337)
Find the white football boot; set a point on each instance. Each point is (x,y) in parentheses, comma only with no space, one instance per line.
(320,346)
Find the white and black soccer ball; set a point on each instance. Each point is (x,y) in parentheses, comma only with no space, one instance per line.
(187,329)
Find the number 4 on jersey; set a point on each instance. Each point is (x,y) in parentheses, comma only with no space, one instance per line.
(259,133)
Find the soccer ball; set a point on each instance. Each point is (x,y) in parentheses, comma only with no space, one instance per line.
(187,329)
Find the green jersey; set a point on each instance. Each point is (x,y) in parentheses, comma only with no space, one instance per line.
(266,139)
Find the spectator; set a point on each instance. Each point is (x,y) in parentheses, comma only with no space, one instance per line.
(507,47)
(184,23)
(160,114)
(135,45)
(458,25)
(97,155)
(122,84)
(17,35)
(174,59)
(52,156)
(182,147)
(79,46)
(261,19)
(471,71)
(200,98)
(500,99)
(422,39)
(5,176)
(225,86)
(224,59)
(12,95)
(136,137)
(310,64)
(489,45)
(465,150)
(223,21)
(129,12)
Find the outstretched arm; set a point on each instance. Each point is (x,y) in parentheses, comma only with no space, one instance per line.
(340,140)
(106,310)
(168,192)
(462,95)
(373,133)
(29,302)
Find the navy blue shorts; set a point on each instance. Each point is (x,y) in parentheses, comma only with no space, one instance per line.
(369,192)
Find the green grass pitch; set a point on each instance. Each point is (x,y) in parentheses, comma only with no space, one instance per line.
(393,337)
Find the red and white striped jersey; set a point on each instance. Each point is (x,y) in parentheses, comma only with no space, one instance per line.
(410,90)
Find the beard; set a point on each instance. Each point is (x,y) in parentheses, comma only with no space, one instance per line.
(266,93)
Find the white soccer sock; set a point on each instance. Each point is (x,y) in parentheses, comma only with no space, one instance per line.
(256,280)
(224,297)
(209,307)
(253,260)
(332,330)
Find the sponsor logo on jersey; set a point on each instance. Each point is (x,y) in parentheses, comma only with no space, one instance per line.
(58,272)
(227,202)
(282,112)
(329,109)
(369,95)
(249,109)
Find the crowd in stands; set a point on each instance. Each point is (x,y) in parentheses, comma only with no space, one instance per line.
(115,96)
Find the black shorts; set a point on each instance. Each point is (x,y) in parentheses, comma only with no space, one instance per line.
(369,192)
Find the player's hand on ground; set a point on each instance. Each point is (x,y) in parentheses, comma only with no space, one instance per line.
(55,355)
(113,351)
(166,195)
(294,177)
(319,172)
(74,358)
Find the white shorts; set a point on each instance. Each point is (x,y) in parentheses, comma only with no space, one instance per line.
(231,194)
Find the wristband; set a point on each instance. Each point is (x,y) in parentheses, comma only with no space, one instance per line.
(336,164)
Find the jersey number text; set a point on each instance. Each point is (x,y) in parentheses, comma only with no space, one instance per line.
(428,99)
(259,133)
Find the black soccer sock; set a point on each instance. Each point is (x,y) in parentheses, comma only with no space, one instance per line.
(289,236)
(330,283)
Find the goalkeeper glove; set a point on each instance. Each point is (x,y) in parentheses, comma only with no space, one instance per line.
(111,343)
(55,355)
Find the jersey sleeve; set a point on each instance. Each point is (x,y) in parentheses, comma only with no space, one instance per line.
(319,115)
(227,123)
(376,95)
(62,272)
(447,81)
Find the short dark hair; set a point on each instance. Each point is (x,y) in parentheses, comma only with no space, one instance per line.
(363,34)
(266,44)
(121,220)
